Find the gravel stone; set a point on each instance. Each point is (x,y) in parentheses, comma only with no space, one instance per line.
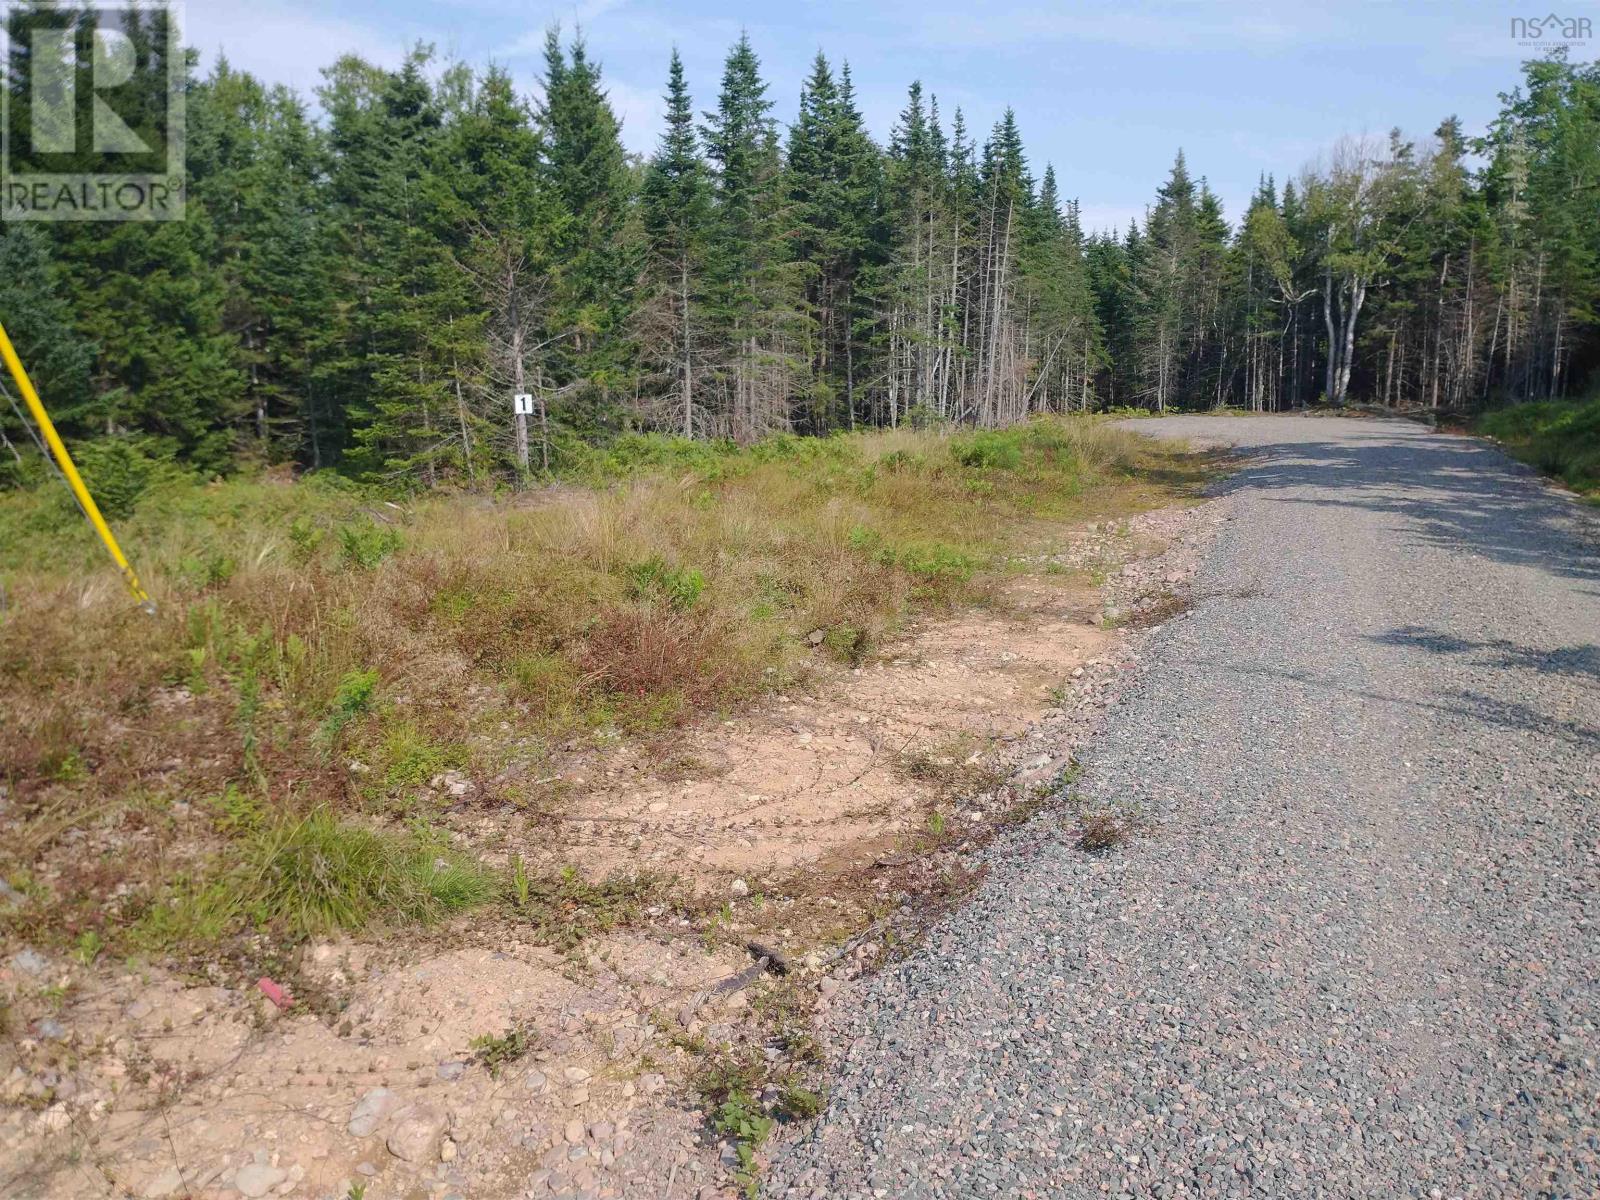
(370,1111)
(257,1179)
(1356,952)
(416,1133)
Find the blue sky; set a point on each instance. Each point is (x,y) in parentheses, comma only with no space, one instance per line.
(1105,91)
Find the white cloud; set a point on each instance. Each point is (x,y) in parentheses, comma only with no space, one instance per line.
(642,112)
(285,43)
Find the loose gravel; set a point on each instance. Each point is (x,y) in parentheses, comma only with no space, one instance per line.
(1356,956)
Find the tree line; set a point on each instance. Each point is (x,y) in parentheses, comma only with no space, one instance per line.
(366,285)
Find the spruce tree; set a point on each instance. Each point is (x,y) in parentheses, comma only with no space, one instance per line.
(676,212)
(584,169)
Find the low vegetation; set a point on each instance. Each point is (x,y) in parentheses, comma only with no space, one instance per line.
(1560,438)
(331,673)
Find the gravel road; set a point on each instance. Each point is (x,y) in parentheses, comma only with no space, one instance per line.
(1359,954)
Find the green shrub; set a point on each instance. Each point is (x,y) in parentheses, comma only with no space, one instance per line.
(1559,437)
(352,698)
(305,537)
(119,471)
(365,546)
(937,563)
(989,450)
(413,758)
(654,579)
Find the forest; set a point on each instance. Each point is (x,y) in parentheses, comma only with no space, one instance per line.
(364,280)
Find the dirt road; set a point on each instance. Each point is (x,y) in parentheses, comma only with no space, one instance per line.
(1357,955)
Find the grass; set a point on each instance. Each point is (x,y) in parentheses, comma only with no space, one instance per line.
(263,751)
(1559,437)
(315,875)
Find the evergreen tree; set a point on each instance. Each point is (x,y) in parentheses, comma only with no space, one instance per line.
(39,320)
(585,171)
(754,301)
(676,211)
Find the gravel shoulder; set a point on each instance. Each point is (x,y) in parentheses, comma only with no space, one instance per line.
(1357,955)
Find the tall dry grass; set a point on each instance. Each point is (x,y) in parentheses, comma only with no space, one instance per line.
(322,651)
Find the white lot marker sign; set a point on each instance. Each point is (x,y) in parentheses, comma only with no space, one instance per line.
(522,404)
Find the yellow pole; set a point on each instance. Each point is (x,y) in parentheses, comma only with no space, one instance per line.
(64,460)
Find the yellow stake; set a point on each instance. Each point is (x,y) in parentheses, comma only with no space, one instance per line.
(64,461)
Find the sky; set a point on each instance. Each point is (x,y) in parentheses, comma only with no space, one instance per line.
(1106,92)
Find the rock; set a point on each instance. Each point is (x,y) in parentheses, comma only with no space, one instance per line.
(257,1179)
(739,888)
(10,897)
(367,1169)
(370,1111)
(452,1071)
(447,1151)
(576,1075)
(49,1029)
(164,1184)
(573,1132)
(828,986)
(602,1131)
(537,1083)
(416,1133)
(816,636)
(29,961)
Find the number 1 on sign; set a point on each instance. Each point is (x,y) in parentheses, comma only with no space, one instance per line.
(522,404)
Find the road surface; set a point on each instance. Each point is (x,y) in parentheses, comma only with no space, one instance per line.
(1359,956)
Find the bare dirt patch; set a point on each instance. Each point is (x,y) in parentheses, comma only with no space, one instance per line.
(860,757)
(484,1059)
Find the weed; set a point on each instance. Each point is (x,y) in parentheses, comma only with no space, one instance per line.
(564,909)
(496,1053)
(520,884)
(88,947)
(352,698)
(1103,830)
(847,643)
(798,1103)
(413,758)
(741,1118)
(728,1083)
(237,812)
